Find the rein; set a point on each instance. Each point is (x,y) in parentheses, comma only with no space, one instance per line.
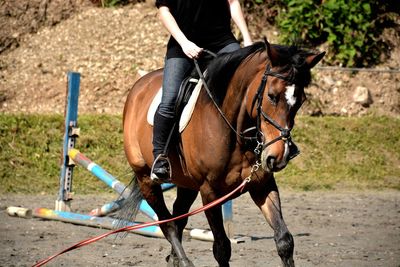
(213,100)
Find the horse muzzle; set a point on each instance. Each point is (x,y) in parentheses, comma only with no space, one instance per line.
(271,163)
(273,160)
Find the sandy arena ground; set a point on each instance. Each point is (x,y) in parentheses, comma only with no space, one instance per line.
(329,228)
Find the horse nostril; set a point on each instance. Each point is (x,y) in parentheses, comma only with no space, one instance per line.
(271,162)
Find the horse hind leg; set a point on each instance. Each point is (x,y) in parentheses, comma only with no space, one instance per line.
(267,199)
(183,202)
(152,192)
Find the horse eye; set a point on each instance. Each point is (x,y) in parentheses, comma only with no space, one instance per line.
(273,98)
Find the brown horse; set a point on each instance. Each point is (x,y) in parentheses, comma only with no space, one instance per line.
(240,128)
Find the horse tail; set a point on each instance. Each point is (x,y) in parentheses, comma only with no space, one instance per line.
(131,198)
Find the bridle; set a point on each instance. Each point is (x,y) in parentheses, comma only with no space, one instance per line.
(258,99)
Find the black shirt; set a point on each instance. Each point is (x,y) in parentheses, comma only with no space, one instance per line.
(207,23)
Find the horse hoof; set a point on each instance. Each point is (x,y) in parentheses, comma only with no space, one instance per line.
(174,262)
(288,262)
(186,263)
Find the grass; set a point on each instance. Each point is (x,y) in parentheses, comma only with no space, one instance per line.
(338,153)
(31,150)
(345,153)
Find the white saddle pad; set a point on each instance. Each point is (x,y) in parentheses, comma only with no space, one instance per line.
(187,111)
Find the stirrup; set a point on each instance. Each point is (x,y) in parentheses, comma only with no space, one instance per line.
(157,179)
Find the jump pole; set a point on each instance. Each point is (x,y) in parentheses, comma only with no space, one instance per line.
(94,218)
(65,195)
(93,221)
(104,222)
(112,182)
(71,132)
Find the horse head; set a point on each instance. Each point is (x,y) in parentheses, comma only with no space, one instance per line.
(277,99)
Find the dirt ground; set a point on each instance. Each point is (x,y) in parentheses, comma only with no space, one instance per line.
(330,229)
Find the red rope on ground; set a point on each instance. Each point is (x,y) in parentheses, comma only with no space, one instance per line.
(129,228)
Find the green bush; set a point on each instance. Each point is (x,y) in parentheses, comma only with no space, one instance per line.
(348,27)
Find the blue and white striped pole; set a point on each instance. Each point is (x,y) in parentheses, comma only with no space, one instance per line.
(103,222)
(110,181)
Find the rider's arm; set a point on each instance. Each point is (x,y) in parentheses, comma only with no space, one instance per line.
(238,18)
(189,48)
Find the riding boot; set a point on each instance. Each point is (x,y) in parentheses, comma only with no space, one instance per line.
(163,126)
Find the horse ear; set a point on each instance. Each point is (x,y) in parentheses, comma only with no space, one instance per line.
(312,60)
(272,53)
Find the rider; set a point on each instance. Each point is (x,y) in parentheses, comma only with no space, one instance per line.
(194,25)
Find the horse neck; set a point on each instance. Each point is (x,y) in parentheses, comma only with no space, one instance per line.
(218,134)
(237,96)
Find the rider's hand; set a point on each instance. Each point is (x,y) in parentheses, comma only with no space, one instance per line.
(191,50)
(247,41)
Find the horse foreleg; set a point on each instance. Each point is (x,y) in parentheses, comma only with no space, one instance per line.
(183,202)
(222,244)
(153,194)
(267,199)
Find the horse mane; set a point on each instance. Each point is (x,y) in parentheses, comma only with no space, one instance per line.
(292,60)
(221,69)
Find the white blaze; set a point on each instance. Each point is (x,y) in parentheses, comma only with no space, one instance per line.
(289,94)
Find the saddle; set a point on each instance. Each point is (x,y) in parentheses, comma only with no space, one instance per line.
(186,99)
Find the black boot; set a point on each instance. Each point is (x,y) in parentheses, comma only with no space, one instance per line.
(160,171)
